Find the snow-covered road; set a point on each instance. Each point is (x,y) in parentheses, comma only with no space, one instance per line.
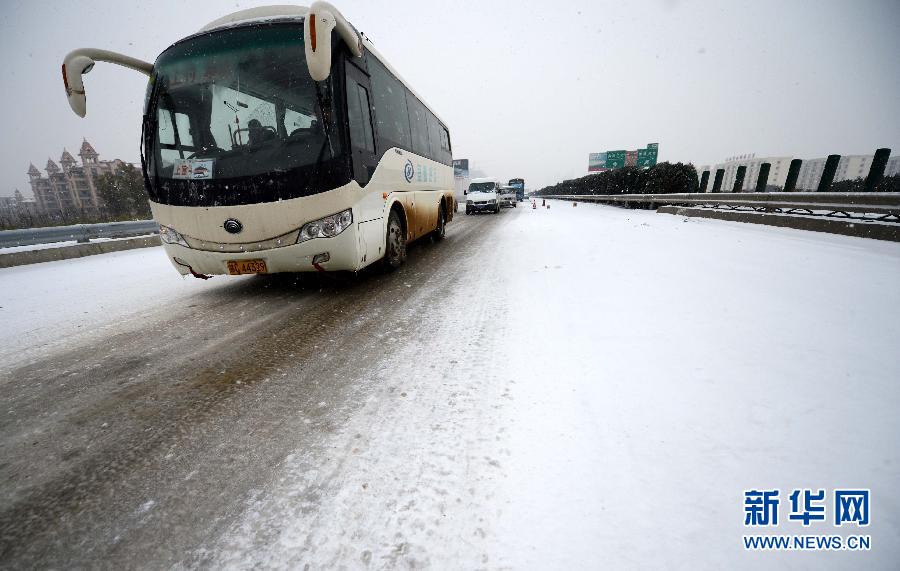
(557,388)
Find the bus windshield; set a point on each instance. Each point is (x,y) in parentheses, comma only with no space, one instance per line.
(233,117)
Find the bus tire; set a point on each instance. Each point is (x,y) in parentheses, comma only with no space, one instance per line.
(441,229)
(395,243)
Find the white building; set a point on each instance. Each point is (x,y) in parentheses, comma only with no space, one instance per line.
(777,171)
(810,174)
(893,166)
(849,167)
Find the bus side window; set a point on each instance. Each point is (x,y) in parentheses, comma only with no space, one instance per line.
(360,117)
(434,138)
(366,104)
(391,113)
(419,125)
(449,149)
(445,145)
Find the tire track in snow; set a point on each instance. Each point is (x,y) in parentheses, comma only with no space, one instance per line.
(412,476)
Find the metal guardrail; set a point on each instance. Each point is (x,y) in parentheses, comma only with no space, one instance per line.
(81,233)
(885,205)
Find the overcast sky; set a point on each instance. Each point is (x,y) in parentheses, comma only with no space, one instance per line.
(528,88)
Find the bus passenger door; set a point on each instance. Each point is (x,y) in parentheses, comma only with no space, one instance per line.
(359,115)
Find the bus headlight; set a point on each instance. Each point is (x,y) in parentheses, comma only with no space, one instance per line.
(170,236)
(327,227)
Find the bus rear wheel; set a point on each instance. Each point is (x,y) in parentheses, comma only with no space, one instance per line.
(441,228)
(395,244)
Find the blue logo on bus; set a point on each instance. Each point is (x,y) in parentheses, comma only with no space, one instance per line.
(408,171)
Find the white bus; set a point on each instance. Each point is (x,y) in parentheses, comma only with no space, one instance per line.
(271,144)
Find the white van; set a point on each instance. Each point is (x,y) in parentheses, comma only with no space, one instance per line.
(508,196)
(483,196)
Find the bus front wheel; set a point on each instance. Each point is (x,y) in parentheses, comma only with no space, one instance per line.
(395,253)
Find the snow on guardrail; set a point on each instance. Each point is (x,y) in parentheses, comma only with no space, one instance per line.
(82,233)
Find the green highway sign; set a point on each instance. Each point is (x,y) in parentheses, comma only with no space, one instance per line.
(647,157)
(615,159)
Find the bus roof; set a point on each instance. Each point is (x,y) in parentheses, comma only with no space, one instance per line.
(256,15)
(252,16)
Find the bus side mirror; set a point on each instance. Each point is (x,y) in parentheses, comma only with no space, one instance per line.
(72,70)
(465,192)
(320,21)
(317,43)
(80,62)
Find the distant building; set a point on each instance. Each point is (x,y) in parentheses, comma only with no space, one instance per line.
(777,171)
(25,206)
(7,207)
(15,208)
(849,167)
(69,187)
(893,166)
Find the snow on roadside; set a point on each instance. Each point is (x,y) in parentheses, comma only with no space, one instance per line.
(52,303)
(685,363)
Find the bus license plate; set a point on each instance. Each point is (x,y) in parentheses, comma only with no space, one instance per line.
(238,267)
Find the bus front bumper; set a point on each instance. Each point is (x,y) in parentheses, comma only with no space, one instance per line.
(341,251)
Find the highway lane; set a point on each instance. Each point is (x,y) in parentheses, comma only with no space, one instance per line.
(142,444)
(543,390)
